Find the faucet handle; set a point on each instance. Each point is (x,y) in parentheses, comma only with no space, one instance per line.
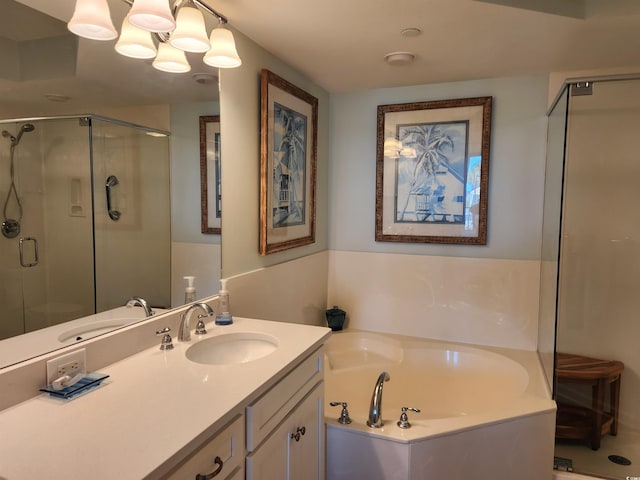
(404,420)
(344,418)
(165,343)
(200,326)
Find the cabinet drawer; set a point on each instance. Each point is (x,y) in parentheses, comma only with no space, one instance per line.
(227,446)
(269,410)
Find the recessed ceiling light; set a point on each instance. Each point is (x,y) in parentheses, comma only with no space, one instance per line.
(411,32)
(156,134)
(399,58)
(205,78)
(54,97)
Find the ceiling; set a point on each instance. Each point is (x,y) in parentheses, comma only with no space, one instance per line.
(339,44)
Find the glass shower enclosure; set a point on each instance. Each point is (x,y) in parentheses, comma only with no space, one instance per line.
(590,274)
(85,219)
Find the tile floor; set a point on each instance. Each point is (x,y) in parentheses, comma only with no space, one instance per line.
(597,464)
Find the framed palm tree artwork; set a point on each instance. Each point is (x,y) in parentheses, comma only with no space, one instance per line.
(288,150)
(432,171)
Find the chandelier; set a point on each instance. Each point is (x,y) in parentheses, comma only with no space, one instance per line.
(177,30)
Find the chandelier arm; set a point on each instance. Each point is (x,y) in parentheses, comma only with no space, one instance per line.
(221,18)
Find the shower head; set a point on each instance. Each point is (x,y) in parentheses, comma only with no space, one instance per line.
(27,127)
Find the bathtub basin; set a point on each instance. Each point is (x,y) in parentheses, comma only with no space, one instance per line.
(477,405)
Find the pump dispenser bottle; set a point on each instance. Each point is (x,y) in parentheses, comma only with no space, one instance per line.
(224,318)
(190,291)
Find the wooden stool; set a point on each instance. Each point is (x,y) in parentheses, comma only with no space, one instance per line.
(583,423)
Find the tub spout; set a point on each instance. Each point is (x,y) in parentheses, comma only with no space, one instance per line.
(375,410)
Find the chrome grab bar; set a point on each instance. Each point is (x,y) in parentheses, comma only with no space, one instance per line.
(35,250)
(112,181)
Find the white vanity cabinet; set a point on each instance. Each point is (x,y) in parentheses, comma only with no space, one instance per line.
(221,457)
(285,434)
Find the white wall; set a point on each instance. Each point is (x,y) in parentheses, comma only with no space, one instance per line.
(471,300)
(240,130)
(516,170)
(193,253)
(493,301)
(293,292)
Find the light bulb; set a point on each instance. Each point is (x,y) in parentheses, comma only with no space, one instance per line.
(190,34)
(92,19)
(134,42)
(152,15)
(223,52)
(170,59)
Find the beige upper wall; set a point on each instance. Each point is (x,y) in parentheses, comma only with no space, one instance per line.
(240,130)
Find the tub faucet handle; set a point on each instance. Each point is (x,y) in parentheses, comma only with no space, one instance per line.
(404,420)
(344,415)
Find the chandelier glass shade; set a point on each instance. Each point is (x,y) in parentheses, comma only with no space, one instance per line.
(176,30)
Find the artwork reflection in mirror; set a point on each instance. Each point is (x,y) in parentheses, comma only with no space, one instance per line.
(72,257)
(210,163)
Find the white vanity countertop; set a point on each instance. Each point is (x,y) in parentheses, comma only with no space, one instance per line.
(156,405)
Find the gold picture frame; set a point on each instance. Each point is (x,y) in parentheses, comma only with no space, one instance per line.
(210,172)
(432,171)
(288,164)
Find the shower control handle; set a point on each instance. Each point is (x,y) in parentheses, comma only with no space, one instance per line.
(111,182)
(35,251)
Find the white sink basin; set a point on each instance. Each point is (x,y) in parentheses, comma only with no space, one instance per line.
(232,348)
(82,332)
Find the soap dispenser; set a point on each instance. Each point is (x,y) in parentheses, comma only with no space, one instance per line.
(224,318)
(190,291)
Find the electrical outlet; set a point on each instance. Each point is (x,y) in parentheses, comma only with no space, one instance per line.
(69,364)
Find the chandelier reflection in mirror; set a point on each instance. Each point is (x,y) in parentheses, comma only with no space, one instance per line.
(177,30)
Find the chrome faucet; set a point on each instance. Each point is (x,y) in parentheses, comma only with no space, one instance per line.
(375,410)
(133,301)
(184,333)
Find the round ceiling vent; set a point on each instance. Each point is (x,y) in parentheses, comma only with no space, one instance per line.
(204,78)
(399,58)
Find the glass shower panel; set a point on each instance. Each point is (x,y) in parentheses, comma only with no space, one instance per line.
(600,262)
(132,215)
(556,131)
(47,269)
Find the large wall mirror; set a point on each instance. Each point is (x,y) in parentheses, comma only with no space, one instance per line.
(77,120)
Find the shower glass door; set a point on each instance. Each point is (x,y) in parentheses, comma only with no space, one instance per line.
(132,215)
(598,301)
(46,270)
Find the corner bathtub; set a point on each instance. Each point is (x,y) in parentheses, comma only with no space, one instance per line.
(485,412)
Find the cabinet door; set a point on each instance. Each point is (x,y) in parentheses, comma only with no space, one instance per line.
(281,456)
(306,455)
